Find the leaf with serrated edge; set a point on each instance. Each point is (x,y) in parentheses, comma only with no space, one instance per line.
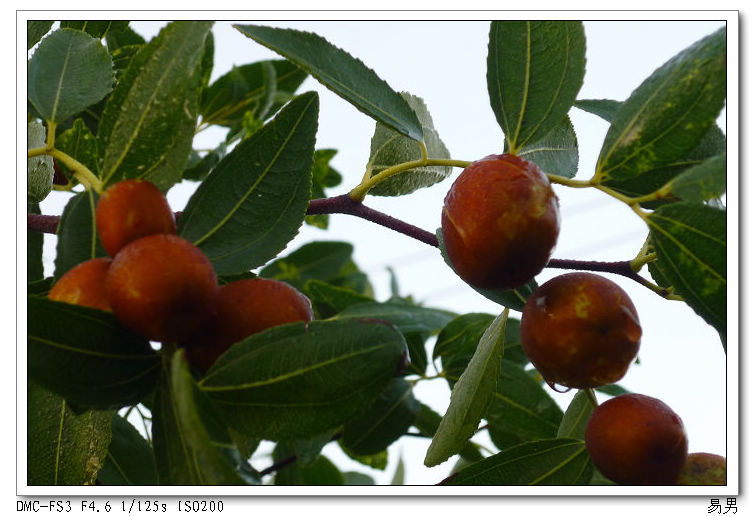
(63,448)
(545,462)
(389,148)
(69,71)
(341,73)
(690,241)
(470,395)
(147,128)
(534,72)
(256,198)
(556,153)
(701,182)
(297,380)
(668,114)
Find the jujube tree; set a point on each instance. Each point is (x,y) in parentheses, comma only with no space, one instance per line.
(201,325)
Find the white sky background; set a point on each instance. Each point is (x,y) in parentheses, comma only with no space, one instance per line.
(444,63)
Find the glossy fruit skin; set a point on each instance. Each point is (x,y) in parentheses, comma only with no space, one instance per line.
(580,330)
(500,222)
(635,439)
(703,469)
(246,307)
(162,287)
(129,210)
(84,285)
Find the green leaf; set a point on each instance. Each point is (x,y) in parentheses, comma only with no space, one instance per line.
(297,380)
(427,421)
(470,395)
(355,478)
(84,355)
(207,62)
(205,435)
(668,114)
(576,416)
(130,461)
(416,322)
(198,168)
(244,89)
(69,71)
(604,108)
(702,182)
(79,143)
(690,241)
(612,390)
(328,300)
(77,235)
(330,262)
(308,450)
(35,270)
(713,143)
(95,28)
(121,37)
(341,73)
(35,30)
(458,341)
(557,152)
(39,169)
(520,406)
(63,448)
(389,147)
(255,200)
(376,461)
(406,317)
(148,124)
(513,299)
(534,71)
(40,287)
(545,462)
(320,472)
(399,474)
(384,422)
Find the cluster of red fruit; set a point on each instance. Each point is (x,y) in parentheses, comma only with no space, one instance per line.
(500,224)
(162,287)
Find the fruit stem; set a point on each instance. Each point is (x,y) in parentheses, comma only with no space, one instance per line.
(573,183)
(360,191)
(50,143)
(593,399)
(80,171)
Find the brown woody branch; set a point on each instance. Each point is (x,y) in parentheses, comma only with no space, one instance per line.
(345,204)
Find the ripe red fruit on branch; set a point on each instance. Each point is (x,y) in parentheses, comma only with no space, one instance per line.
(246,307)
(580,330)
(129,210)
(637,440)
(162,287)
(500,222)
(83,285)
